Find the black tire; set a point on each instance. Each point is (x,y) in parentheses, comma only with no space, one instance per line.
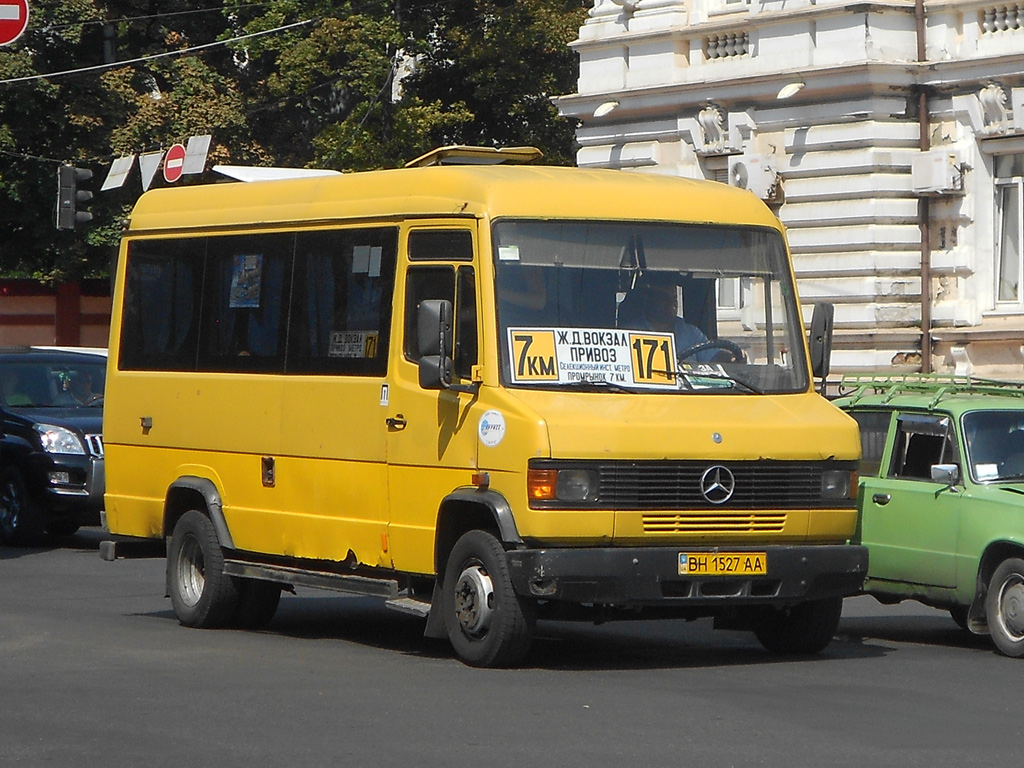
(1004,607)
(487,622)
(959,615)
(801,629)
(202,595)
(21,520)
(257,603)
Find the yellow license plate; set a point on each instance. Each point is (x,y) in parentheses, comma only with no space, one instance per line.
(723,564)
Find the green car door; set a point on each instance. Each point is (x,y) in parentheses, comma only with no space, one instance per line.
(908,521)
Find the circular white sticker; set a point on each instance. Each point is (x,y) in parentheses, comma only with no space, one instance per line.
(492,428)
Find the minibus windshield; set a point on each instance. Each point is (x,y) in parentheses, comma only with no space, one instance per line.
(647,307)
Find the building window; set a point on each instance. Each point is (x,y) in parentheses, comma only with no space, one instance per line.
(1009,228)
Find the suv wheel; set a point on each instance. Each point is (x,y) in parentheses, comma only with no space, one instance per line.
(20,520)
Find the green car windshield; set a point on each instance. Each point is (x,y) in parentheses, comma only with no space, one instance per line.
(647,307)
(995,445)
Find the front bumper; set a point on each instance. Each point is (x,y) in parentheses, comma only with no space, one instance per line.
(81,495)
(649,576)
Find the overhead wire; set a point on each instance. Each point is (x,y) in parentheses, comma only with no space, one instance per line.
(147,17)
(165,54)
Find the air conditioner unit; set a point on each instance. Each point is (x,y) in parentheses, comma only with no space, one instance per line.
(936,173)
(753,172)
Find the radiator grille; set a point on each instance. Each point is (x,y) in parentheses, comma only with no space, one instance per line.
(742,522)
(677,486)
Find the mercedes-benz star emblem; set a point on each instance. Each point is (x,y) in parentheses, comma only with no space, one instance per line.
(717,484)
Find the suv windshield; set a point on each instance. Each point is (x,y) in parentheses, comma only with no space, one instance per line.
(995,445)
(648,307)
(52,384)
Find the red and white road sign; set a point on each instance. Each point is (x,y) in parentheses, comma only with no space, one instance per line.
(174,163)
(13,20)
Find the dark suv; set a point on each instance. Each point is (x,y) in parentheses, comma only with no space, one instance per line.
(51,444)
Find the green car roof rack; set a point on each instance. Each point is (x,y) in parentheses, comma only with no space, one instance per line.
(940,385)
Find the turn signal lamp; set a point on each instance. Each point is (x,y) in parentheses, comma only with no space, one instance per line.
(541,484)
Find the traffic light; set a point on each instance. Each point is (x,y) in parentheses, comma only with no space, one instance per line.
(70,197)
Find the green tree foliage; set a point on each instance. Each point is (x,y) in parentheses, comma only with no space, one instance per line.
(346,85)
(501,60)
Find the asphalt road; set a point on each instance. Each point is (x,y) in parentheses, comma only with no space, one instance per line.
(96,671)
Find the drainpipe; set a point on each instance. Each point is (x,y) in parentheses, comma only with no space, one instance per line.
(924,203)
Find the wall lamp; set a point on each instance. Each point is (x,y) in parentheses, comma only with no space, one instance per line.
(790,90)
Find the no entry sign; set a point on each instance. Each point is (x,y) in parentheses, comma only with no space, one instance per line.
(174,163)
(13,20)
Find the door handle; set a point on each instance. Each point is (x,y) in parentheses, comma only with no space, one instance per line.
(881,499)
(396,422)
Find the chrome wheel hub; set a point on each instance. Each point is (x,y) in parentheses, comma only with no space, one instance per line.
(474,600)
(1011,607)
(190,571)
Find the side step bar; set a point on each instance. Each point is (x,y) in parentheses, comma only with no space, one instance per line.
(395,598)
(339,582)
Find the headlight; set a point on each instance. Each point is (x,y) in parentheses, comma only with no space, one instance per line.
(576,485)
(59,440)
(572,485)
(838,484)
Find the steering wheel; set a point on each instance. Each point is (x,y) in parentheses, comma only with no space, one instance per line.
(723,344)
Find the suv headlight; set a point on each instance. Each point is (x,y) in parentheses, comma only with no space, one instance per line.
(59,439)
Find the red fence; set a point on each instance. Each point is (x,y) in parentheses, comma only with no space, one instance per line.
(74,314)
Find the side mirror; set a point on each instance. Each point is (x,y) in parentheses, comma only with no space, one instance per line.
(434,331)
(434,338)
(434,327)
(947,474)
(821,339)
(435,372)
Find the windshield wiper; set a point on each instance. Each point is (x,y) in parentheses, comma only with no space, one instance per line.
(734,383)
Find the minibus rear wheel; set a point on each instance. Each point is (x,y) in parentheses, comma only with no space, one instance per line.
(203,596)
(487,623)
(800,629)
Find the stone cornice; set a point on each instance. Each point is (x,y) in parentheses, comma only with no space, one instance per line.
(747,20)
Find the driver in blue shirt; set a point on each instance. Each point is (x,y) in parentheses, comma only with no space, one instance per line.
(655,308)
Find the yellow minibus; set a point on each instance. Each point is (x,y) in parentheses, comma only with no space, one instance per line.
(485,391)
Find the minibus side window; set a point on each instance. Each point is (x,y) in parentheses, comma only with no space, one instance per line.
(424,283)
(466,343)
(160,313)
(244,319)
(441,245)
(341,301)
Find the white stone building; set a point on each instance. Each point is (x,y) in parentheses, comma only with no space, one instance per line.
(887,136)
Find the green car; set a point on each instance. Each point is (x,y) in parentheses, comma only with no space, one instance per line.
(941,496)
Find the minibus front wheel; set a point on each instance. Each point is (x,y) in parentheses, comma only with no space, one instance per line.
(800,629)
(488,624)
(203,596)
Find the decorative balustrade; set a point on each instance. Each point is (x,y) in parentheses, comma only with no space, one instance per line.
(726,46)
(1002,18)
